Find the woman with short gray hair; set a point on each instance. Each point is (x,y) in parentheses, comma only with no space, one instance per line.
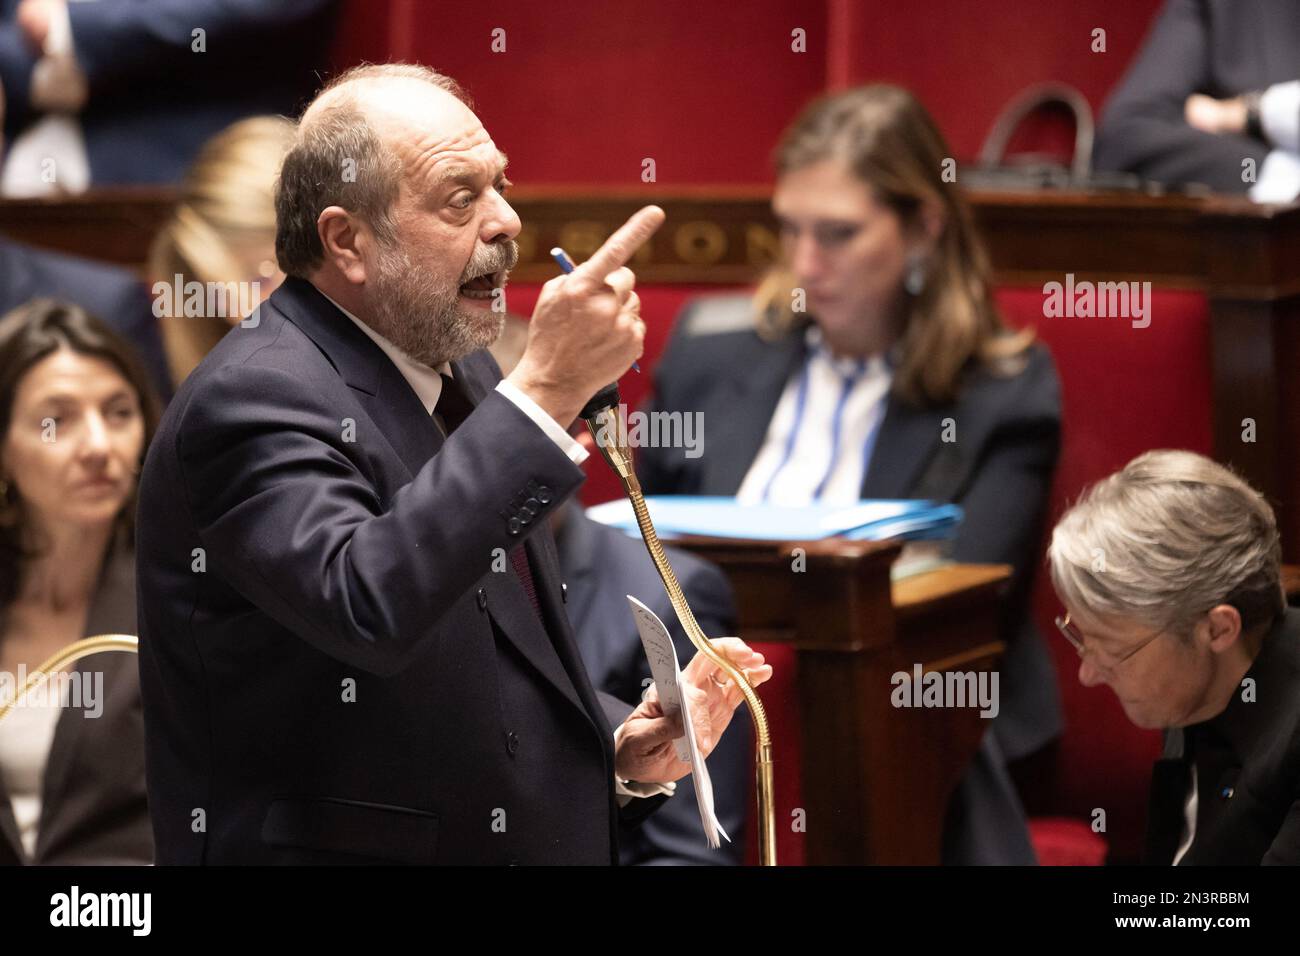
(1170,572)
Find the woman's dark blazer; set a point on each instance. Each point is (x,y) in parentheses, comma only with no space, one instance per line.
(93,804)
(1248,806)
(998,465)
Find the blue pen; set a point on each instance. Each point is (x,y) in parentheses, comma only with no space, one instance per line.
(567,266)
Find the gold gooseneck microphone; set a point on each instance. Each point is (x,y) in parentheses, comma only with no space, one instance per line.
(68,655)
(602,417)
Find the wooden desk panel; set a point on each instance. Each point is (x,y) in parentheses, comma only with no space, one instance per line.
(876,779)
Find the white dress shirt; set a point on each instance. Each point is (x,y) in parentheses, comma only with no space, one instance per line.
(55,137)
(1279,115)
(819,442)
(1189,820)
(427,385)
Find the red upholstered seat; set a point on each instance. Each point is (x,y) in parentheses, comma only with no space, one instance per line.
(1062,841)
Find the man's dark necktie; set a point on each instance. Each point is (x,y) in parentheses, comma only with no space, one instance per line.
(454,408)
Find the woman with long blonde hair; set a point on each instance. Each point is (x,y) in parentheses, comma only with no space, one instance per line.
(872,363)
(222,236)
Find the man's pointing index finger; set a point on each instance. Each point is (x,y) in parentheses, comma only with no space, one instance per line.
(622,245)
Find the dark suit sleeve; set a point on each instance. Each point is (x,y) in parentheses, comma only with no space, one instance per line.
(1142,129)
(673,836)
(119,40)
(286,513)
(616,711)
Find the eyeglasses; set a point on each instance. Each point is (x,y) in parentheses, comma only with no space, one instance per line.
(1075,637)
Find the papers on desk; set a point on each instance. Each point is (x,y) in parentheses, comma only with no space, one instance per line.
(661,653)
(723,517)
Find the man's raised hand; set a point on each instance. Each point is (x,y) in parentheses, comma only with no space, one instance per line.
(586,330)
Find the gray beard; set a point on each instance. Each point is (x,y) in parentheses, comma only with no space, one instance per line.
(426,320)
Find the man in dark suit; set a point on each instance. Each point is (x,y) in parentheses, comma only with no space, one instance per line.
(353,642)
(1213,97)
(999,471)
(160,77)
(110,294)
(601,565)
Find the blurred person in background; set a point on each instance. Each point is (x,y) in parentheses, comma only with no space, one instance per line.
(111,92)
(222,231)
(76,415)
(873,363)
(1213,97)
(114,294)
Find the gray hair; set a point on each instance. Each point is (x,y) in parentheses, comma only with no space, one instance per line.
(337,159)
(1164,540)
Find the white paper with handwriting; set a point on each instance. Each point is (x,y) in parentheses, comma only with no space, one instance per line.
(661,653)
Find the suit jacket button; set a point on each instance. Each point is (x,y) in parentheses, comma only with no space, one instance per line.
(527,514)
(482,599)
(514,524)
(512,742)
(564,592)
(533,504)
(544,495)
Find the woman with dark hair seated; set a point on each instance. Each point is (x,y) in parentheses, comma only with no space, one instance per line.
(1170,573)
(873,364)
(76,415)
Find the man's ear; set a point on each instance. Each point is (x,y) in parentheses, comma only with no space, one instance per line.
(1225,627)
(344,238)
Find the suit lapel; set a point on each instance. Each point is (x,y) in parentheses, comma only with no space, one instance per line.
(551,648)
(906,440)
(386,396)
(546,574)
(68,733)
(740,417)
(476,373)
(576,547)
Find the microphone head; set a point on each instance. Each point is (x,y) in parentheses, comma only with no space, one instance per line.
(607,397)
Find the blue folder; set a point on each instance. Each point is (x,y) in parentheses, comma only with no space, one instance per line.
(724,517)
